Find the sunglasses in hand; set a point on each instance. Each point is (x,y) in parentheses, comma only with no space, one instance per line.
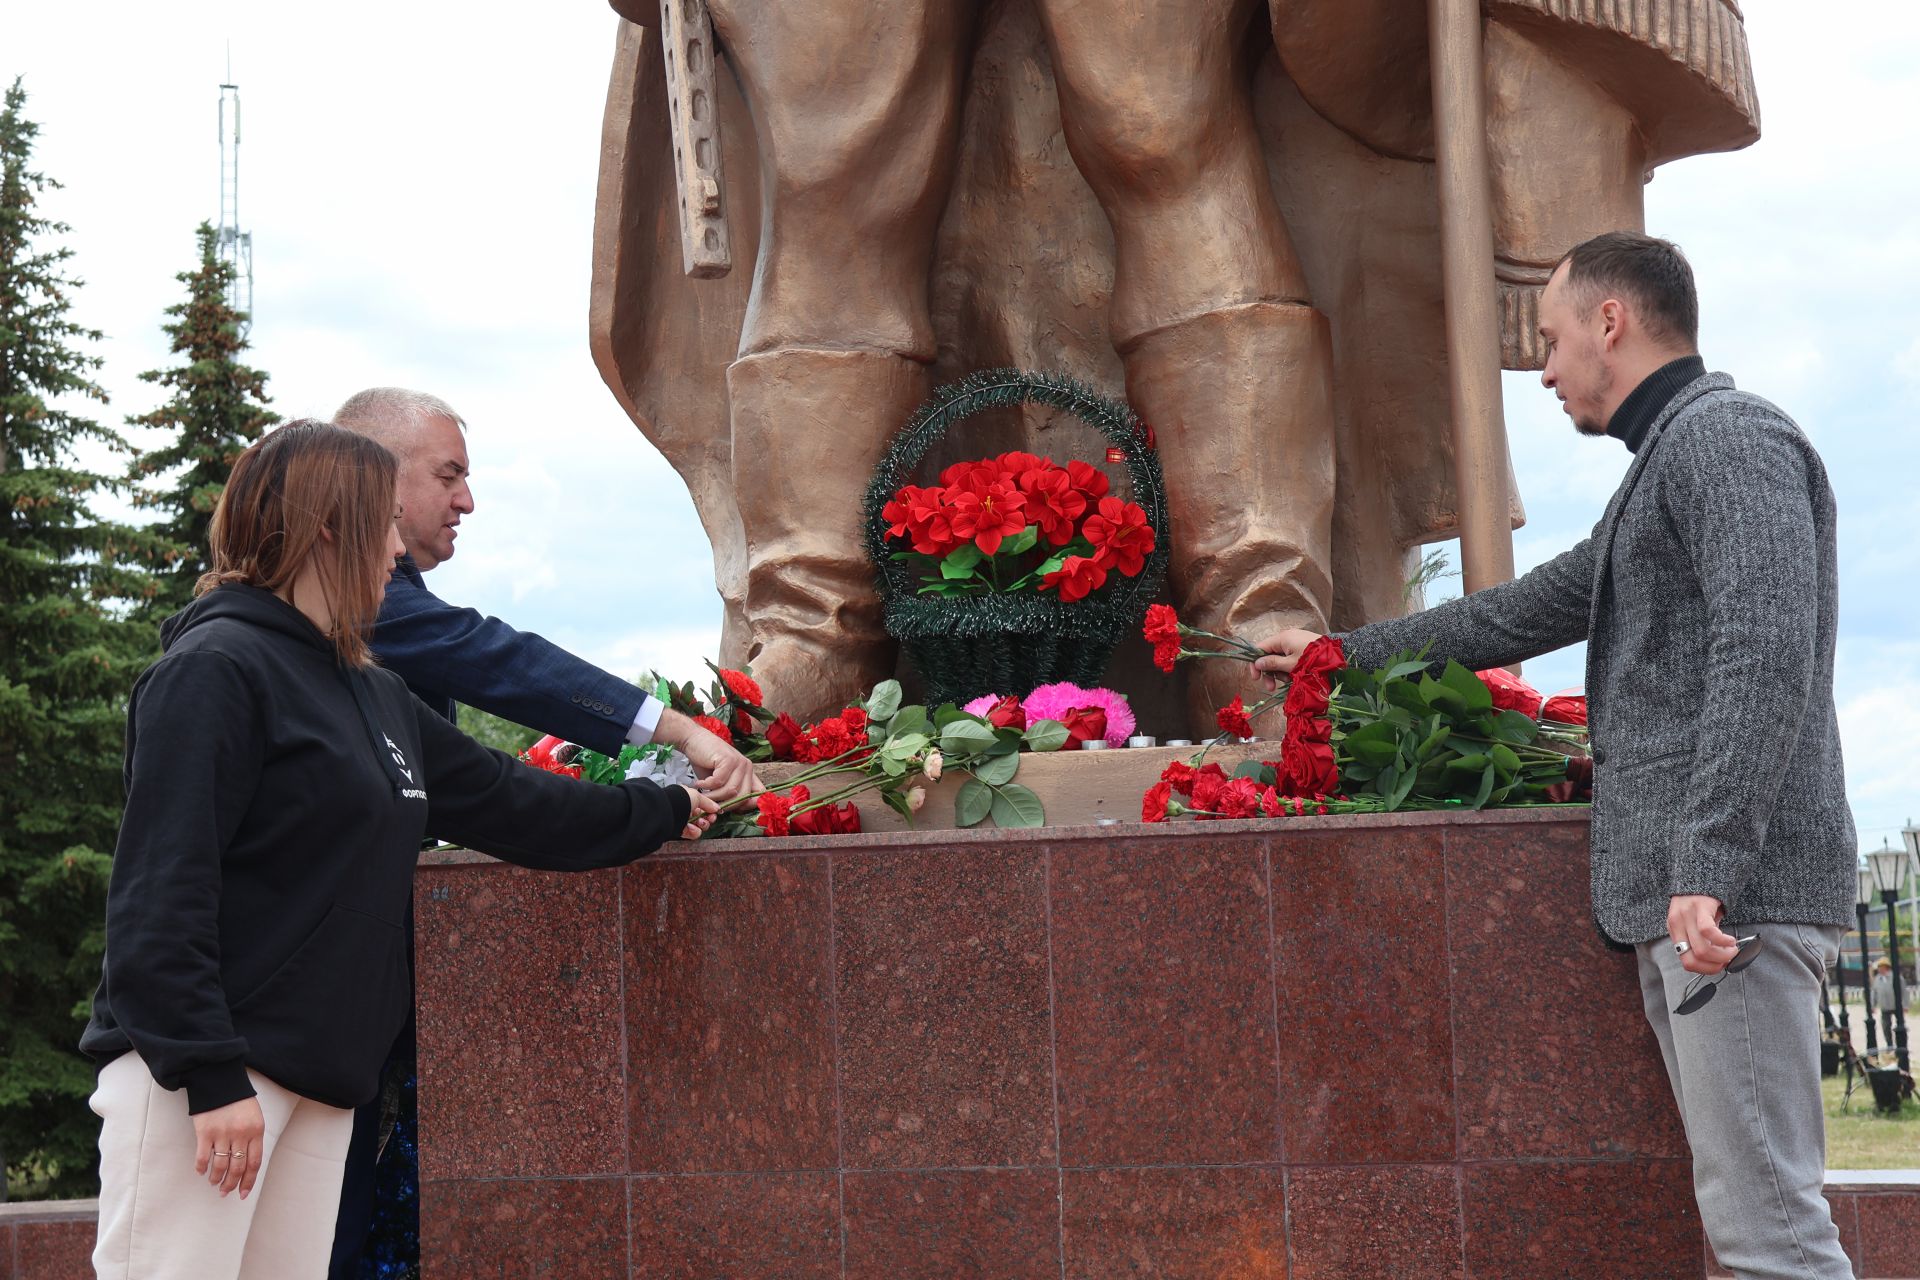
(1701,989)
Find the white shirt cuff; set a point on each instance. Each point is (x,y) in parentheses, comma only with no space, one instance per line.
(646,721)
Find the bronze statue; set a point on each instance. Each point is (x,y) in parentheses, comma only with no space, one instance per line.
(1226,206)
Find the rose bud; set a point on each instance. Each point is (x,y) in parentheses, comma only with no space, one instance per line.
(916,798)
(933,766)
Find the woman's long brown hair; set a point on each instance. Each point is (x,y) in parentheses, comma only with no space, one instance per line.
(298,481)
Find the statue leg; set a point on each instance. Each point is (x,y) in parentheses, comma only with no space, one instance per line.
(856,108)
(1224,354)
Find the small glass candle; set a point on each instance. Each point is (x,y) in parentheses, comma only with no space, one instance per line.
(1094,744)
(1179,742)
(1143,740)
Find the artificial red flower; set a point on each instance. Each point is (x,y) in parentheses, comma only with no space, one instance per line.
(1053,504)
(988,519)
(742,686)
(977,474)
(920,515)
(1565,708)
(1510,692)
(715,728)
(1076,578)
(540,754)
(776,810)
(1167,656)
(783,735)
(1179,775)
(1088,479)
(1153,805)
(828,820)
(1084,724)
(1121,535)
(1018,465)
(1233,720)
(1163,625)
(1007,714)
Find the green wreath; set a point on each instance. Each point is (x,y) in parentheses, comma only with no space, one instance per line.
(967,646)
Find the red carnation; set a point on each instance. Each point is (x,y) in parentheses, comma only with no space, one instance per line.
(1167,656)
(1208,782)
(1510,692)
(1179,775)
(1088,479)
(1053,504)
(1007,714)
(742,686)
(1163,625)
(1078,577)
(1121,535)
(776,810)
(1566,708)
(783,735)
(715,728)
(1233,720)
(1084,724)
(1153,805)
(1271,804)
(855,718)
(1240,798)
(828,820)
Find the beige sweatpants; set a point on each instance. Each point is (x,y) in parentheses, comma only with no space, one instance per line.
(159,1220)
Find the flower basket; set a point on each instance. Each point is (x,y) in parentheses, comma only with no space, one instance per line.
(966,646)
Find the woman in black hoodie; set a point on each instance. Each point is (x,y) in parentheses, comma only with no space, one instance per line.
(279,785)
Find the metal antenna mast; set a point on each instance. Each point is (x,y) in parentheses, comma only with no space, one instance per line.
(233,246)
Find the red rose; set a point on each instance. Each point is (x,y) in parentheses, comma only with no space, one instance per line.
(1566,708)
(828,820)
(1163,625)
(1076,578)
(1510,692)
(1084,724)
(1313,677)
(783,735)
(1233,720)
(1578,786)
(1007,714)
(1053,504)
(1120,533)
(1308,769)
(776,810)
(1088,479)
(742,686)
(1153,805)
(715,728)
(1179,775)
(1167,656)
(988,519)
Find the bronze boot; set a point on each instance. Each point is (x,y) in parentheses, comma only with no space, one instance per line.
(1241,402)
(808,427)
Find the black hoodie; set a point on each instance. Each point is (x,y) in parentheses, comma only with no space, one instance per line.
(276,802)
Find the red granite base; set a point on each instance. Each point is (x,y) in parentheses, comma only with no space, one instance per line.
(1313,1048)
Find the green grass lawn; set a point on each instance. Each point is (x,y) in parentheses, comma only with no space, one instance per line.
(1858,1137)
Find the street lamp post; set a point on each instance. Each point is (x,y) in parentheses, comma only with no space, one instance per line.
(1890,870)
(1863,903)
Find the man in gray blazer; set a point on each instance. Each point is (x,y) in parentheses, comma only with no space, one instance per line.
(1708,595)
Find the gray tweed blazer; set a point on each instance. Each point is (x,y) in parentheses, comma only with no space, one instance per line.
(1708,594)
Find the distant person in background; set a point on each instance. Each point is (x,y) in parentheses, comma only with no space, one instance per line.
(451,655)
(279,784)
(1884,999)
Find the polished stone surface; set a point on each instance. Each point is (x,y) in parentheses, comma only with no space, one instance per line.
(518,997)
(1163,1003)
(48,1250)
(1889,1235)
(546,1228)
(974,1224)
(1257,1049)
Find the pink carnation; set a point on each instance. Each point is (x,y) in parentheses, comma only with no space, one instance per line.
(983,704)
(1054,701)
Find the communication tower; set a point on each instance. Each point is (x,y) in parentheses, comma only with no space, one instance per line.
(234,246)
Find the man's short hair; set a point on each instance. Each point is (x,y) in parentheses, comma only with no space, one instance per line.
(390,414)
(1649,272)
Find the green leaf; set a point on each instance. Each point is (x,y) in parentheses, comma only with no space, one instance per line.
(1388,783)
(1401,670)
(1021,542)
(1515,727)
(972,803)
(1047,735)
(1504,760)
(1376,744)
(1259,771)
(902,745)
(893,766)
(966,737)
(897,801)
(946,713)
(1053,565)
(909,720)
(1472,692)
(884,700)
(997,770)
(1402,790)
(1473,763)
(1480,797)
(1016,806)
(1443,699)
(1404,693)
(961,561)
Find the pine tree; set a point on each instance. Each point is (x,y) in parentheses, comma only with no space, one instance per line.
(68,657)
(218,409)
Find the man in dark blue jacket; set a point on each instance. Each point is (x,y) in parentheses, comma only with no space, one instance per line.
(452,655)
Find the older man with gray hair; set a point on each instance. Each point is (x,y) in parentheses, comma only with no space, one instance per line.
(449,655)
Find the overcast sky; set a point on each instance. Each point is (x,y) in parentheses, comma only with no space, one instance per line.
(419,182)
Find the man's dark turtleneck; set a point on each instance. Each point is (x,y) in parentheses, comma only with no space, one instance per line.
(1645,403)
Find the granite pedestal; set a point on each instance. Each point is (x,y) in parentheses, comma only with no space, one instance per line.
(1307,1048)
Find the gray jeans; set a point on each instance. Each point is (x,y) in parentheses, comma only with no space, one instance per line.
(1746,1073)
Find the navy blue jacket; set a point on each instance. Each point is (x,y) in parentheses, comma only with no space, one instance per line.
(447,654)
